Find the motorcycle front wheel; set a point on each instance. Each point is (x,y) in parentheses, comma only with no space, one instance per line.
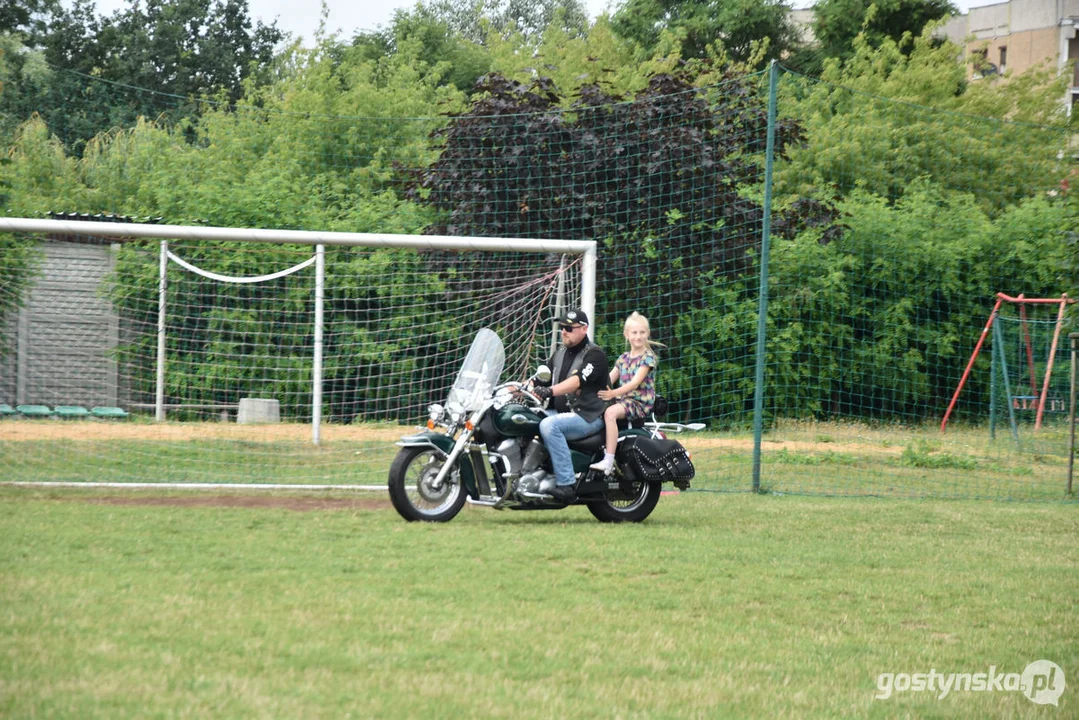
(412,489)
(634,506)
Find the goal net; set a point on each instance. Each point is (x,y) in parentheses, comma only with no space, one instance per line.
(265,362)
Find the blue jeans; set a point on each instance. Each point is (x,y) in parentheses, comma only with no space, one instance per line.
(556,430)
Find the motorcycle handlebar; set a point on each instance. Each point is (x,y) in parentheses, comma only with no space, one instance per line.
(519,388)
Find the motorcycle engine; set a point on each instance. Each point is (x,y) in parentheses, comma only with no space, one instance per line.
(532,472)
(510,449)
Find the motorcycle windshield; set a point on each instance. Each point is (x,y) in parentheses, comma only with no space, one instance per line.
(479,373)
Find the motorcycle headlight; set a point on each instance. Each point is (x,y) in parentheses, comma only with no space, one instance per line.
(434,416)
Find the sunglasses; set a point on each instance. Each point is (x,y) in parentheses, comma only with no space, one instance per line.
(569,328)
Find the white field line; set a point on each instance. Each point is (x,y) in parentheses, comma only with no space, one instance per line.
(190,486)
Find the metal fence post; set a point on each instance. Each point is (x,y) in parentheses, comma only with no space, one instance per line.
(1071,414)
(762,311)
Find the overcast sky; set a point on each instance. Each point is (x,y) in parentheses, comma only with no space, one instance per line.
(302,17)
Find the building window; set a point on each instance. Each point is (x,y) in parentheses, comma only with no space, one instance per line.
(981,65)
(1003,64)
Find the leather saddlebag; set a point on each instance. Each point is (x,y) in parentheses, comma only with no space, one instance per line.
(644,459)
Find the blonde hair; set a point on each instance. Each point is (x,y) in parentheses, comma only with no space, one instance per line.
(636,317)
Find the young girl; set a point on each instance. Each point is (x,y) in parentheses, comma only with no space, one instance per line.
(634,374)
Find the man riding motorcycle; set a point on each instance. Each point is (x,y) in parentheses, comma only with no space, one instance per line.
(579,371)
(484,445)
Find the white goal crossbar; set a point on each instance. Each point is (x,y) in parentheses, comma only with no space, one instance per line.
(585,248)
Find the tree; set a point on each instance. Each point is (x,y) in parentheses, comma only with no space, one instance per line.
(474,19)
(186,47)
(26,16)
(1000,142)
(837,22)
(1070,263)
(664,181)
(736,24)
(150,54)
(433,41)
(516,164)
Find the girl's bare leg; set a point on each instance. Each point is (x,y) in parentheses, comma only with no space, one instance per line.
(610,421)
(611,416)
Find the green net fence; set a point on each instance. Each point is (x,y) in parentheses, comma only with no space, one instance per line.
(890,227)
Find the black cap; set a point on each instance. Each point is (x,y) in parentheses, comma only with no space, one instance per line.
(576,316)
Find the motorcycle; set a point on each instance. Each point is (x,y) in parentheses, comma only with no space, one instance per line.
(483,447)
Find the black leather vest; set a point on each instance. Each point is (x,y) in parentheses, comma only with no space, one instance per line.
(584,402)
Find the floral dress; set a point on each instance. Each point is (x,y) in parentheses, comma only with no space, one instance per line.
(639,402)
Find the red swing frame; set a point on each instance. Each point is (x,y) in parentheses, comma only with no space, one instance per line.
(1063,301)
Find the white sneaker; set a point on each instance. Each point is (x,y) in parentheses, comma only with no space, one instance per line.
(605,466)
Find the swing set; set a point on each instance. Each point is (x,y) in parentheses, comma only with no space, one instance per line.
(1028,391)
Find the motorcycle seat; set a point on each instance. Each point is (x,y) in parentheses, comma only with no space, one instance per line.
(589,443)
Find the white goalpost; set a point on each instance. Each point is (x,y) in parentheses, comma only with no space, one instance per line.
(162,304)
(374,320)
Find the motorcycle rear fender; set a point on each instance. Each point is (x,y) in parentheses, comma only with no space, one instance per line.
(444,444)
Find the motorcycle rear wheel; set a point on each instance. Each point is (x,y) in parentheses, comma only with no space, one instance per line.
(411,492)
(639,505)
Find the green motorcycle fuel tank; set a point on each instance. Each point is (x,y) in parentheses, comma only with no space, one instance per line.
(516,420)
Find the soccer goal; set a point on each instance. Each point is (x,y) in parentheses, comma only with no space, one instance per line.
(249,344)
(1028,374)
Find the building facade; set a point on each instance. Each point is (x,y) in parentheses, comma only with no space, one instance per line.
(1017,35)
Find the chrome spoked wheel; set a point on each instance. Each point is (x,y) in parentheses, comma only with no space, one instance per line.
(632,506)
(414,492)
(627,502)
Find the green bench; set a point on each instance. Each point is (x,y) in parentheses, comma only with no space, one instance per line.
(34,411)
(71,412)
(108,412)
(64,411)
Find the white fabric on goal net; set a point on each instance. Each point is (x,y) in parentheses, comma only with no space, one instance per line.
(234,279)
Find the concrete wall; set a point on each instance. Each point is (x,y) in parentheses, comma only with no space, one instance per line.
(65,335)
(10,329)
(989,21)
(1029,48)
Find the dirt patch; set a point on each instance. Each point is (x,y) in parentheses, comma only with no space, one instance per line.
(695,444)
(282,502)
(91,430)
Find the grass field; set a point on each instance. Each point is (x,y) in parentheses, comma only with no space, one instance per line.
(827,458)
(720,605)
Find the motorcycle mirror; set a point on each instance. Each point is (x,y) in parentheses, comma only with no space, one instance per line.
(543,374)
